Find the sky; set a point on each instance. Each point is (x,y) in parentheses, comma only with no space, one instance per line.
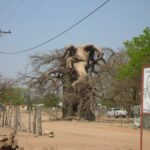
(35,21)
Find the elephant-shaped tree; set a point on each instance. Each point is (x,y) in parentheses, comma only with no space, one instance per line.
(81,59)
(67,72)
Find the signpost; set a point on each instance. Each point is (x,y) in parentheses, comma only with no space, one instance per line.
(145,99)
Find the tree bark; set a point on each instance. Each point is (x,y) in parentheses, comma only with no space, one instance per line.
(77,102)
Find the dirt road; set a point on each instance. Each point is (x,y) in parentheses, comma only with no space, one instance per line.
(74,135)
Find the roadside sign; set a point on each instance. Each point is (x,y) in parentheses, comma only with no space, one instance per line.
(145,99)
(146,90)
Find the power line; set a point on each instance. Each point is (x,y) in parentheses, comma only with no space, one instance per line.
(59,34)
(2,33)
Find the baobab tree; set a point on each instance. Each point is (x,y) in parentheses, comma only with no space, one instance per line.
(68,71)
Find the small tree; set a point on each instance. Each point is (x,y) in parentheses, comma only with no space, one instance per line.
(138,51)
(52,100)
(10,93)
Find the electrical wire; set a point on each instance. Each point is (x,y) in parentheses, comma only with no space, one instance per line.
(59,34)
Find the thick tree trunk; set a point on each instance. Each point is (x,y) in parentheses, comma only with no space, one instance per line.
(77,102)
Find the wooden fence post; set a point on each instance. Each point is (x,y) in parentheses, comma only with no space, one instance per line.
(0,118)
(20,120)
(39,121)
(16,119)
(6,117)
(29,119)
(3,118)
(34,120)
(10,116)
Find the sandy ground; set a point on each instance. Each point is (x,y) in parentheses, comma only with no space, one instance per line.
(75,135)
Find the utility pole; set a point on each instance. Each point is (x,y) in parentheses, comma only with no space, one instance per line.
(4,32)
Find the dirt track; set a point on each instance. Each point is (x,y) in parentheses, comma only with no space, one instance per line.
(74,135)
